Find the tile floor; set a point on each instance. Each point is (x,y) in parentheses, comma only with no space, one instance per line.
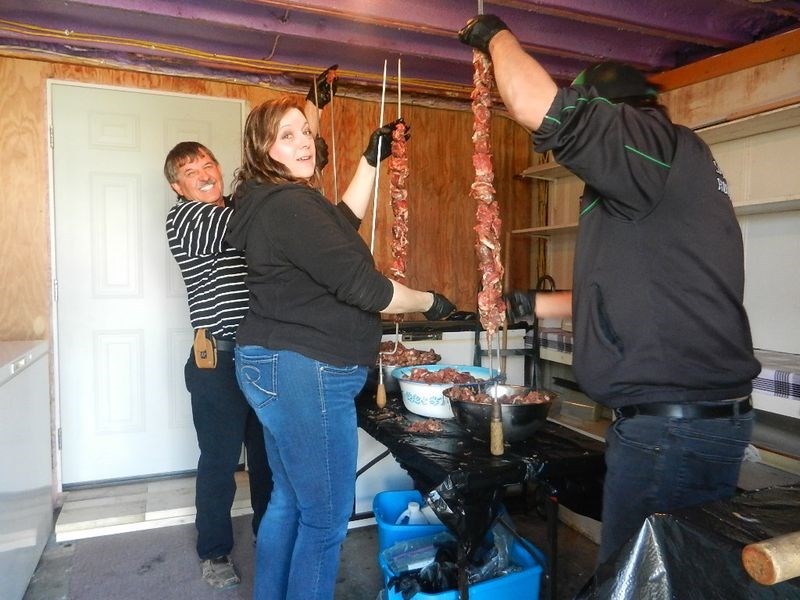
(135,507)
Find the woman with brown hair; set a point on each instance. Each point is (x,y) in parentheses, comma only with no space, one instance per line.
(311,333)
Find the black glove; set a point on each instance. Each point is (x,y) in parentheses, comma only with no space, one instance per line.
(321,147)
(441,308)
(479,31)
(520,304)
(324,90)
(385,135)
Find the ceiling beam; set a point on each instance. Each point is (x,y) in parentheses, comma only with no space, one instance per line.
(751,55)
(335,22)
(638,16)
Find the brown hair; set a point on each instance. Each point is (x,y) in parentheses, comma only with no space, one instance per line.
(260,133)
(182,153)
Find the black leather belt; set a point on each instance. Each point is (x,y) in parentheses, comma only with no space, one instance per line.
(224,345)
(685,410)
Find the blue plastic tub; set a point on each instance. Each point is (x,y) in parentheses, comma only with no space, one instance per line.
(520,585)
(387,507)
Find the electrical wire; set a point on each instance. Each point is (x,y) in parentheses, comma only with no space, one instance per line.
(211,58)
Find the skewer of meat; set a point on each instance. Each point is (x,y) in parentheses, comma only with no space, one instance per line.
(380,396)
(491,307)
(398,172)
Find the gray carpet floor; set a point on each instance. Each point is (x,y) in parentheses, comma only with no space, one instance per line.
(161,564)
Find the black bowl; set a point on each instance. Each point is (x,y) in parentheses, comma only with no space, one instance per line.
(520,421)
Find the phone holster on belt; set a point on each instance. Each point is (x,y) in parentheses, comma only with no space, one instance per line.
(205,352)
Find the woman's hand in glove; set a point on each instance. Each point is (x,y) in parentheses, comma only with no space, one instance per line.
(321,149)
(324,90)
(384,136)
(440,309)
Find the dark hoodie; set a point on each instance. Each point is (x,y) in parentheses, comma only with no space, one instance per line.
(659,269)
(313,285)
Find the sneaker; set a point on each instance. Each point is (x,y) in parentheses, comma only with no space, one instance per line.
(220,573)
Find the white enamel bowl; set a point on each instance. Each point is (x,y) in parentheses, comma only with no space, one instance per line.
(428,399)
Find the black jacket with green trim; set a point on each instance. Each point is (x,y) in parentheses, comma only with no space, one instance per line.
(658,278)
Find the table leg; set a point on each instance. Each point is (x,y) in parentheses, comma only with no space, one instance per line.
(354,516)
(463,586)
(551,510)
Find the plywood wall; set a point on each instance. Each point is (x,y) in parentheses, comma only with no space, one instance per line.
(24,225)
(441,255)
(745,92)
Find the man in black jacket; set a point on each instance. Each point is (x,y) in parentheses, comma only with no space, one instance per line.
(661,335)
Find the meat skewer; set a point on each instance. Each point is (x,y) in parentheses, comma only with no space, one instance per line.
(491,307)
(398,172)
(380,395)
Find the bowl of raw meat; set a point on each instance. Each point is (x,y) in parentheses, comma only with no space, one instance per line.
(523,409)
(422,386)
(395,355)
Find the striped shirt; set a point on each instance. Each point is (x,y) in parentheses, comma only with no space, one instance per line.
(212,271)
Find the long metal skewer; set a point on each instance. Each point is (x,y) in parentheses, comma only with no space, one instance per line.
(319,120)
(380,394)
(496,441)
(333,151)
(399,103)
(377,166)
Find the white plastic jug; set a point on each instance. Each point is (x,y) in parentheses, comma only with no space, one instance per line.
(411,516)
(430,515)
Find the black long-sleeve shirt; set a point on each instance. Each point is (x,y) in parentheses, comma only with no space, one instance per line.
(313,284)
(659,271)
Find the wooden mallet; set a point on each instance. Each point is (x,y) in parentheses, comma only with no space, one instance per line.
(774,560)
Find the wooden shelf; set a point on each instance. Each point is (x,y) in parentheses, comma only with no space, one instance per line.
(547,171)
(781,118)
(765,122)
(546,231)
(564,358)
(778,205)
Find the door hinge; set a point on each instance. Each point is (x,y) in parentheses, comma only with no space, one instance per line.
(55,291)
(58,438)
(52,137)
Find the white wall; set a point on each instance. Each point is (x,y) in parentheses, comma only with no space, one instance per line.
(772,279)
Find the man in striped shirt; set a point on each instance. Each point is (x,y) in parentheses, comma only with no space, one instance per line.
(214,276)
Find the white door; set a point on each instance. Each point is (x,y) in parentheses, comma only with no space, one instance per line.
(122,325)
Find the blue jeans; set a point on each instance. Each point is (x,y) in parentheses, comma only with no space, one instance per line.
(661,464)
(308,412)
(223,421)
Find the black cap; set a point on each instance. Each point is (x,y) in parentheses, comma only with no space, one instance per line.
(616,81)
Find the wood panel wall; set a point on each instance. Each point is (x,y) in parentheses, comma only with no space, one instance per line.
(441,254)
(745,92)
